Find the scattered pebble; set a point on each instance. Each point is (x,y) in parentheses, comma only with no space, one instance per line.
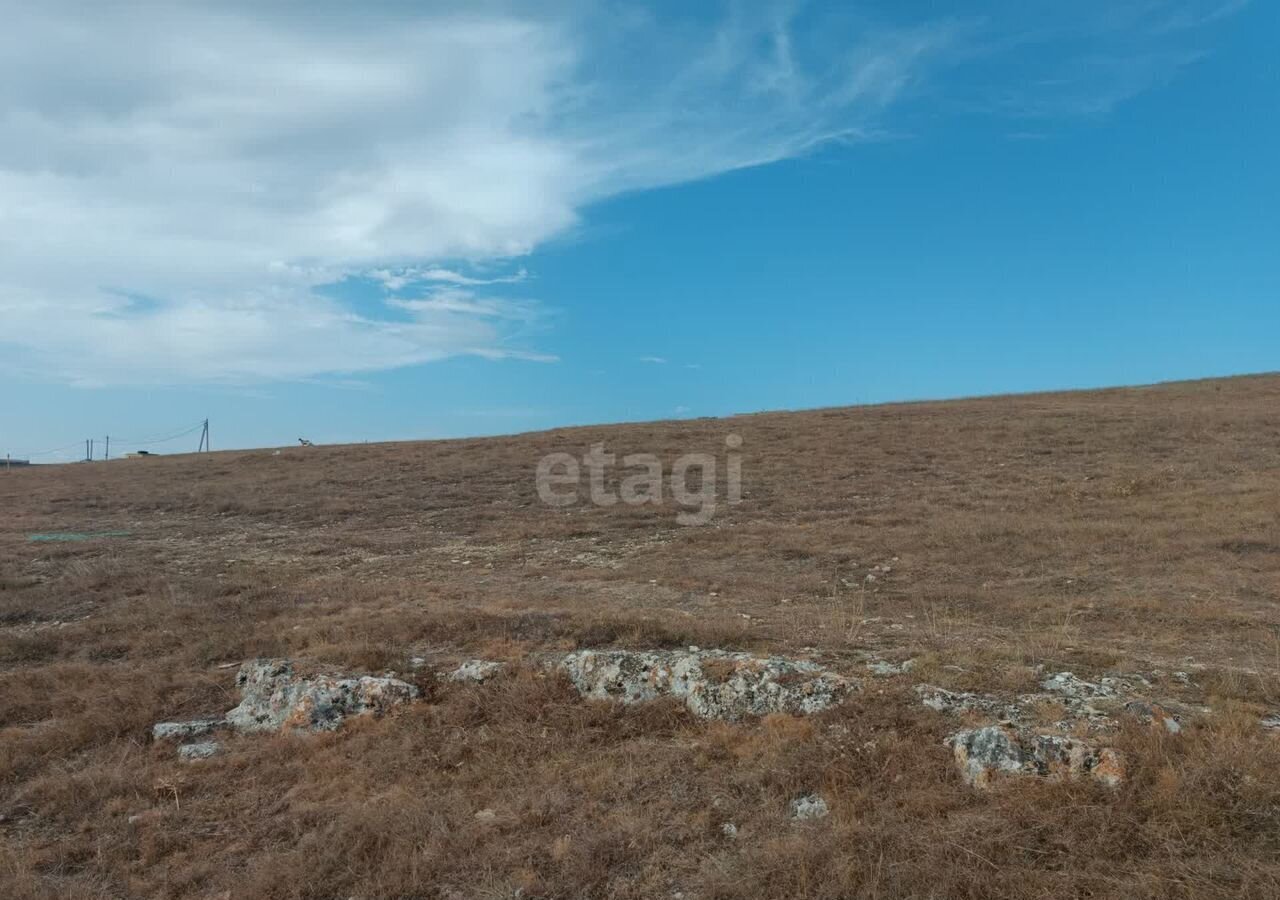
(202,750)
(809,807)
(162,731)
(475,670)
(881,668)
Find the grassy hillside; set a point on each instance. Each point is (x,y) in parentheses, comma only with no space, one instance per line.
(1120,531)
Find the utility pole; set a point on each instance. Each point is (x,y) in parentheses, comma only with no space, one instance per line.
(107,455)
(88,453)
(204,438)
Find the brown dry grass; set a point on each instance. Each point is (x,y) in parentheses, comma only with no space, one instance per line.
(1128,530)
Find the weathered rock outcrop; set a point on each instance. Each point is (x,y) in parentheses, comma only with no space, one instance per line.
(1071,686)
(985,755)
(957,702)
(712,683)
(1013,746)
(274,699)
(1093,705)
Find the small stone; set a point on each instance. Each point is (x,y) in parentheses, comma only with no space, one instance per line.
(985,755)
(202,750)
(956,702)
(808,807)
(729,830)
(162,731)
(1153,713)
(486,815)
(476,670)
(1068,685)
(884,669)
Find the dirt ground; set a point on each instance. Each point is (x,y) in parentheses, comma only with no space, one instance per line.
(991,540)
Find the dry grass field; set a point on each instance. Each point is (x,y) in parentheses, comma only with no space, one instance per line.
(1129,530)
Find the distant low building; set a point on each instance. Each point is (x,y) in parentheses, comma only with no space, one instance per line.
(14,463)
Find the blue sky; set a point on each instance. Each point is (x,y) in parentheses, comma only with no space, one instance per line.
(448,220)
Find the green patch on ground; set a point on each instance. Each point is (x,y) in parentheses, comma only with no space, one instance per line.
(61,536)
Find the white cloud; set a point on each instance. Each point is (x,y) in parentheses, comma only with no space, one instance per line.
(399,278)
(176,179)
(446,275)
(466,302)
(655,360)
(224,164)
(285,336)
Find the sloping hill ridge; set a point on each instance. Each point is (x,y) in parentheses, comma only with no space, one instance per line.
(947,562)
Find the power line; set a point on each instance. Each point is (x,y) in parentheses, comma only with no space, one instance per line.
(52,450)
(90,444)
(160,440)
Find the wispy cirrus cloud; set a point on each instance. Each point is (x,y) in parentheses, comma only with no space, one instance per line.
(468,302)
(397,279)
(167,216)
(1037,61)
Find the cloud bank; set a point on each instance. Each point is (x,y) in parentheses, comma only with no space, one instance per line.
(177,180)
